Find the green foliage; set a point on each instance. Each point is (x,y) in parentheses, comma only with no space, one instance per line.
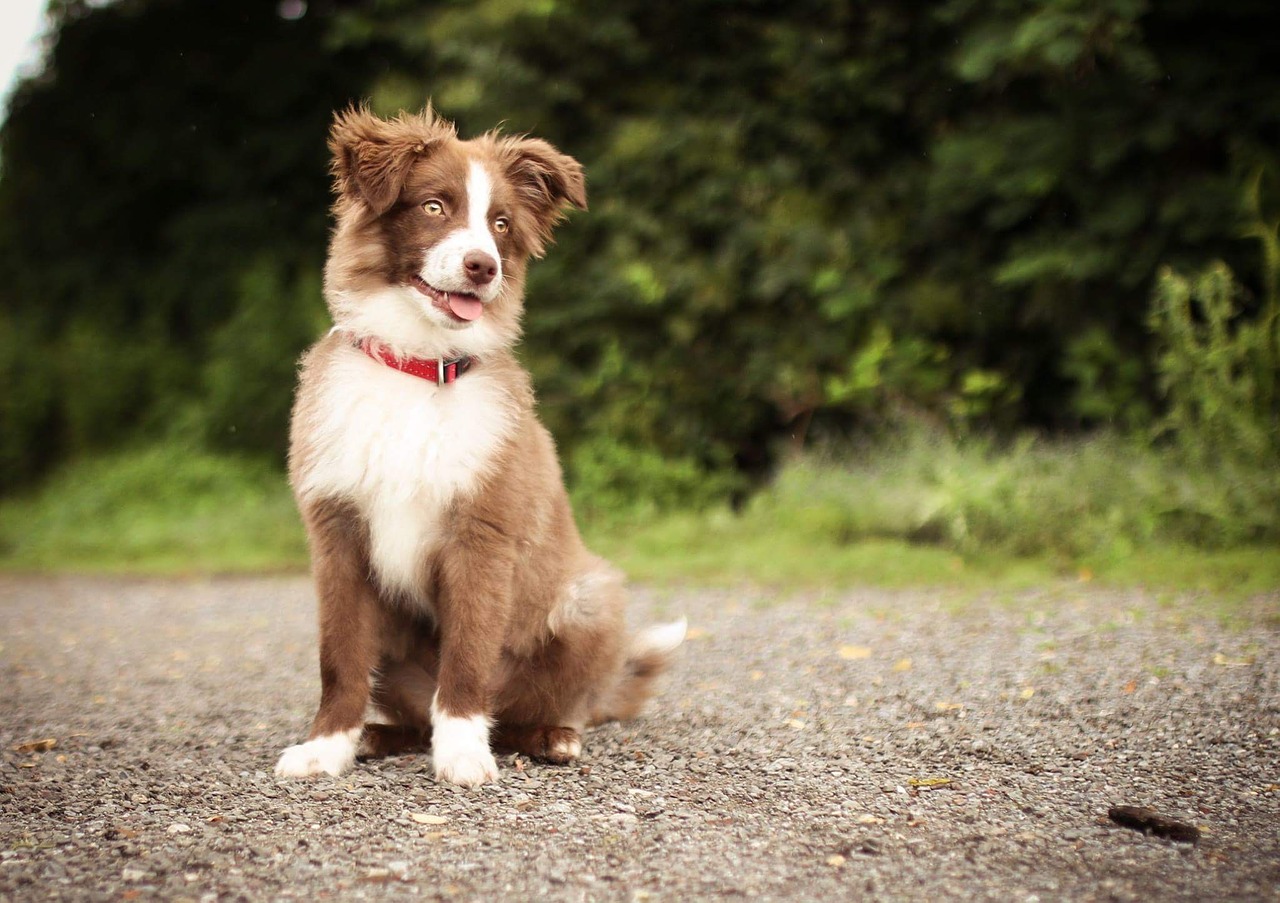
(166,149)
(1100,497)
(825,216)
(920,510)
(251,369)
(1108,381)
(615,483)
(808,219)
(26,403)
(1219,371)
(1214,370)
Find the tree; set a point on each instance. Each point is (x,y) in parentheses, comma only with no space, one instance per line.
(806,217)
(167,148)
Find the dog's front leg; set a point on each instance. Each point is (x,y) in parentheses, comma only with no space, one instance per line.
(349,624)
(473,608)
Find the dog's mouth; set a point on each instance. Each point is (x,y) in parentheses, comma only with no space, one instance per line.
(461,307)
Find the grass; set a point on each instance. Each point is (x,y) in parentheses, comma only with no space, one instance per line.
(720,548)
(166,509)
(921,513)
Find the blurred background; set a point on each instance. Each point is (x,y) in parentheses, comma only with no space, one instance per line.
(871,291)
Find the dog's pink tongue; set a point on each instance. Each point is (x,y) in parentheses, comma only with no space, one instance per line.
(464,307)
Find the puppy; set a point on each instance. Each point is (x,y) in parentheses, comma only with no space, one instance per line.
(457,600)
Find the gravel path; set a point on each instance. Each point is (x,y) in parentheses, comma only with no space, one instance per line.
(897,745)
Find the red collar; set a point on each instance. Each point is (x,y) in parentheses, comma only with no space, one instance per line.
(439,370)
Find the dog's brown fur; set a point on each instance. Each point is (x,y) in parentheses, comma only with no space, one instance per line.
(514,620)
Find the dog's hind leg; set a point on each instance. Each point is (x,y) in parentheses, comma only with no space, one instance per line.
(559,745)
(401,700)
(381,740)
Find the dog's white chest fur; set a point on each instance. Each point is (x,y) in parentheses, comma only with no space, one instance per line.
(402,449)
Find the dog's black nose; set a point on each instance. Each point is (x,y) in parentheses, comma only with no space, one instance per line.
(480,267)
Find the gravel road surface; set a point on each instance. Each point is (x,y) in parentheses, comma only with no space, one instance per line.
(866,744)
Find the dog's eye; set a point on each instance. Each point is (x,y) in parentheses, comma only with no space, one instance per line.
(433,208)
(501,224)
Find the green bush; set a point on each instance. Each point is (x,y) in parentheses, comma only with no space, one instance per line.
(28,421)
(615,483)
(1101,497)
(155,160)
(806,218)
(251,371)
(815,217)
(1219,369)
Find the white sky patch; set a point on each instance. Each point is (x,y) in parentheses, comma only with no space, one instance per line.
(22,23)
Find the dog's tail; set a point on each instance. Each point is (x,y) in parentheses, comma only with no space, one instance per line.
(648,655)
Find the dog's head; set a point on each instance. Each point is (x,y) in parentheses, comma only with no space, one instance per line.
(433,233)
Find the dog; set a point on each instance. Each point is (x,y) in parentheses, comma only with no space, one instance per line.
(458,606)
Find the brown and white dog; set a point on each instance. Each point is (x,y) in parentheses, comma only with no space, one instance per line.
(456,597)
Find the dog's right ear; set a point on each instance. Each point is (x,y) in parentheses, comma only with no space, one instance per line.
(373,156)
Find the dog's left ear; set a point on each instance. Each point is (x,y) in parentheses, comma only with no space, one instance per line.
(372,156)
(548,182)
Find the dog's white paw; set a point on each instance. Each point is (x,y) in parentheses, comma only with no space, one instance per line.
(467,769)
(331,754)
(460,748)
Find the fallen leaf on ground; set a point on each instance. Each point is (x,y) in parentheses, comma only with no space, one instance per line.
(835,861)
(948,706)
(423,819)
(32,746)
(757,675)
(850,653)
(1027,693)
(929,782)
(1130,687)
(1220,659)
(903,665)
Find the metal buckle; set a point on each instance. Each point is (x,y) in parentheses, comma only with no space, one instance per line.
(440,373)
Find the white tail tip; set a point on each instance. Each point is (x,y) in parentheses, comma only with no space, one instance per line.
(662,638)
